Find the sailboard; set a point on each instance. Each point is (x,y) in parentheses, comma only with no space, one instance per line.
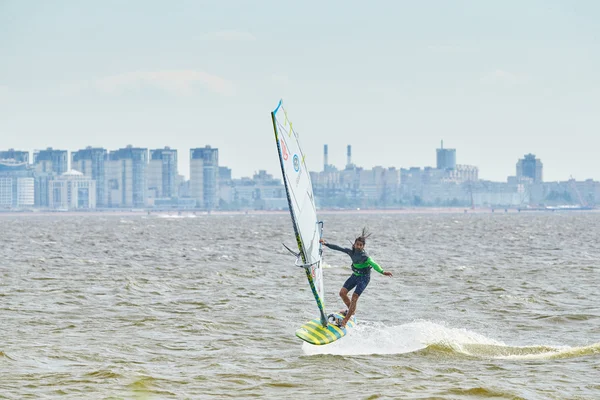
(307,228)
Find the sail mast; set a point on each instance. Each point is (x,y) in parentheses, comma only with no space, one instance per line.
(298,188)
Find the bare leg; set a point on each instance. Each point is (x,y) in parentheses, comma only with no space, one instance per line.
(344,296)
(351,308)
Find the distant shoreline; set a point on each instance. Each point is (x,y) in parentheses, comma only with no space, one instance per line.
(412,210)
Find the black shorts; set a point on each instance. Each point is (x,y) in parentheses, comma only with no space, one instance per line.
(358,281)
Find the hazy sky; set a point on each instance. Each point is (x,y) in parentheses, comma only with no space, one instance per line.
(494,80)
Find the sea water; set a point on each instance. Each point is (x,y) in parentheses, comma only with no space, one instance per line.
(481,306)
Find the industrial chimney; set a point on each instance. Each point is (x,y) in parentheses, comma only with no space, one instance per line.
(349,153)
(325,158)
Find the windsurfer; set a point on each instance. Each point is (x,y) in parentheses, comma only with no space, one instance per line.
(361,272)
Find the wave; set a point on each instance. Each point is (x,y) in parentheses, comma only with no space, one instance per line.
(430,339)
(103,374)
(4,355)
(512,352)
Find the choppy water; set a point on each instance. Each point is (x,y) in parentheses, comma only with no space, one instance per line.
(482,306)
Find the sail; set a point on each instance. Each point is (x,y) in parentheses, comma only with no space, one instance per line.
(301,203)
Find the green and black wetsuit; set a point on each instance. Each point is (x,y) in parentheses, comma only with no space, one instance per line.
(361,268)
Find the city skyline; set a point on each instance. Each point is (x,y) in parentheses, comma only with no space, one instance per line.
(142,177)
(392,79)
(444,163)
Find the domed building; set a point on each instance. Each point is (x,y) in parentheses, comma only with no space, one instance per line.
(72,190)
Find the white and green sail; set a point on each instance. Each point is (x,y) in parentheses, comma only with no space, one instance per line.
(298,187)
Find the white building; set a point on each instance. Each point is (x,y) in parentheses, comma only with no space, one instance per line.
(25,192)
(16,185)
(462,173)
(197,180)
(73,190)
(6,192)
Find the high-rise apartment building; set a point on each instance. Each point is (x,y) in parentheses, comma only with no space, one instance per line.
(48,164)
(530,167)
(50,160)
(162,173)
(446,158)
(126,178)
(91,162)
(17,155)
(16,184)
(204,177)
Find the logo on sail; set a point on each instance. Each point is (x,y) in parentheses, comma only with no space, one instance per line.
(284,151)
(296,163)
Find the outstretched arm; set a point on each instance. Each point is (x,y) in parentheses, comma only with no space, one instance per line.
(336,247)
(377,268)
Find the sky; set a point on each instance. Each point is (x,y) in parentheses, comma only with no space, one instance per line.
(493,80)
